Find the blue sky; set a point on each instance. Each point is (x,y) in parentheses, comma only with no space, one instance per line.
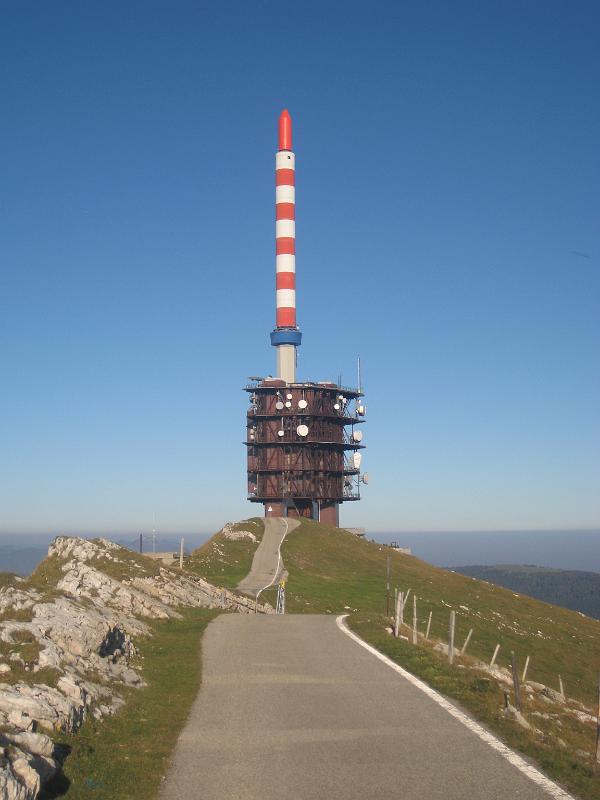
(447,205)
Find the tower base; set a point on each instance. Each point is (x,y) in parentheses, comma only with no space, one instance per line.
(330,514)
(326,512)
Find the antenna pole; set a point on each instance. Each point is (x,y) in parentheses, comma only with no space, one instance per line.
(359,386)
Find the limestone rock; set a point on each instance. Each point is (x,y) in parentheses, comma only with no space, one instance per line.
(229,533)
(511,712)
(84,630)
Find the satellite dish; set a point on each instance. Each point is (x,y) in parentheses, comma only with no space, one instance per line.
(280,433)
(302,404)
(336,407)
(357,436)
(289,396)
(279,405)
(356,459)
(288,403)
(302,430)
(365,477)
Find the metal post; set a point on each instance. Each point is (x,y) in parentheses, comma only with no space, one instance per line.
(181,553)
(141,540)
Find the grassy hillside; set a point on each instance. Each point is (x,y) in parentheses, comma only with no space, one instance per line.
(333,571)
(574,589)
(224,560)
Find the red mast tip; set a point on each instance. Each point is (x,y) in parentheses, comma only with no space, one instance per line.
(285,130)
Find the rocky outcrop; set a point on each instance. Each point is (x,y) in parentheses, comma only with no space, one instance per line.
(66,650)
(230,531)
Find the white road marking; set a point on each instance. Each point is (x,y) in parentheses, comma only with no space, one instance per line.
(285,533)
(514,758)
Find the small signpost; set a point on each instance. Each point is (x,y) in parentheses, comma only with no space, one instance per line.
(280,607)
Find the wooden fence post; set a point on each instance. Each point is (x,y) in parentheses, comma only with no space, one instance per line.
(414,635)
(524,676)
(451,637)
(561,687)
(516,684)
(493,661)
(428,625)
(402,597)
(397,619)
(466,644)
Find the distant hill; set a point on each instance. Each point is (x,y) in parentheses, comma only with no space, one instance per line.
(574,589)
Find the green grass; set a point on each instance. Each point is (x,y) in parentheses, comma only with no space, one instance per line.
(126,756)
(333,571)
(225,562)
(483,699)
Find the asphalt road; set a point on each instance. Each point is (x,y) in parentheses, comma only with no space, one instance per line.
(290,707)
(266,565)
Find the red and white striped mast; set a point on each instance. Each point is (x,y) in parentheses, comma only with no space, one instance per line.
(286,336)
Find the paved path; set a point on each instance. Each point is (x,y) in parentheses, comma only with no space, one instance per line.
(291,708)
(266,563)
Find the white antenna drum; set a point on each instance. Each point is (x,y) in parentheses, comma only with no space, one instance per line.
(302,403)
(302,430)
(357,436)
(356,459)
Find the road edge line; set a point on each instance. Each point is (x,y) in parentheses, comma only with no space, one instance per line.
(531,772)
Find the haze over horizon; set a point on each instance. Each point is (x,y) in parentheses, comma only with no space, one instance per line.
(578,550)
(447,232)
